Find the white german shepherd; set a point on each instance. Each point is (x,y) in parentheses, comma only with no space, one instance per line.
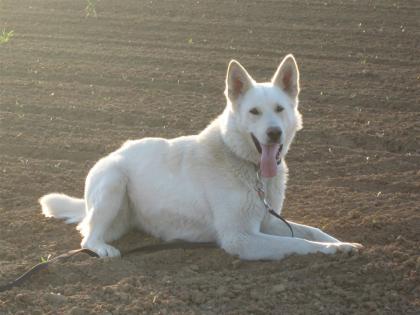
(202,188)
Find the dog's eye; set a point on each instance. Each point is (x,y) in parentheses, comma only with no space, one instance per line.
(279,109)
(254,111)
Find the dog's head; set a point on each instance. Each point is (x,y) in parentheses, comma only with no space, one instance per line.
(266,113)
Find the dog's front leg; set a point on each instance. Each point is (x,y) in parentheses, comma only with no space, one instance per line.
(274,226)
(259,246)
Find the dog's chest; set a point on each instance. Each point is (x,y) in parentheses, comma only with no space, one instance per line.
(274,193)
(273,189)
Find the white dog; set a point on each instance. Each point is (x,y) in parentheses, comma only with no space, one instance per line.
(205,188)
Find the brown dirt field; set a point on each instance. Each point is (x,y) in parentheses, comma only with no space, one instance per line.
(74,88)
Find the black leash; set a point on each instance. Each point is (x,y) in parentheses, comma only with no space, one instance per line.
(259,188)
(45,265)
(148,249)
(169,246)
(278,216)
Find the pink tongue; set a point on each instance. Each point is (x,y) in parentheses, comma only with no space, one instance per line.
(268,163)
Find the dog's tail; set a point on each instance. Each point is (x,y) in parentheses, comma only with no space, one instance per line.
(63,207)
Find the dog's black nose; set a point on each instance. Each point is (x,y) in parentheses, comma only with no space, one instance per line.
(274,134)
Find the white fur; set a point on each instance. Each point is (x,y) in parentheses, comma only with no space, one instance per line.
(200,188)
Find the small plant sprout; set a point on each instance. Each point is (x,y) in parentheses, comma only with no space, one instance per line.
(44,260)
(5,36)
(91,8)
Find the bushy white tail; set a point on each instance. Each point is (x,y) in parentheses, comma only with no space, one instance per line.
(63,207)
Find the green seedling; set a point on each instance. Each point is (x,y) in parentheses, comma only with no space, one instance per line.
(44,260)
(91,8)
(5,36)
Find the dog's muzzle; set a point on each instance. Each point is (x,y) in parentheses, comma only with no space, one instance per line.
(269,154)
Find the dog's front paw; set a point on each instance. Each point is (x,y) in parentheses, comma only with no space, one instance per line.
(349,247)
(102,249)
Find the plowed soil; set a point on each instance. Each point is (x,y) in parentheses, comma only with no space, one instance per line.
(74,88)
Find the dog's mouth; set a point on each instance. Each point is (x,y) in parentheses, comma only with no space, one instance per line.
(269,156)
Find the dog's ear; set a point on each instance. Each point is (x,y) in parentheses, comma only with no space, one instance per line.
(238,81)
(287,76)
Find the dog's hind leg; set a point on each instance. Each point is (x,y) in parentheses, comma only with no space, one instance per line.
(107,217)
